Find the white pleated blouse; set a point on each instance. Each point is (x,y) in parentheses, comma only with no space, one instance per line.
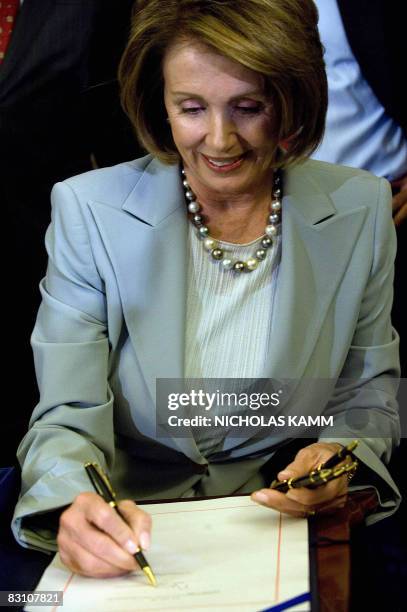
(229,317)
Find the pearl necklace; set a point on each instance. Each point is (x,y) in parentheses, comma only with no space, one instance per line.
(212,245)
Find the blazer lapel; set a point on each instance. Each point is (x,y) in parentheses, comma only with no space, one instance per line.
(31,17)
(314,258)
(146,241)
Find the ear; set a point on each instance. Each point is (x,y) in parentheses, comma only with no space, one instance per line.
(286,143)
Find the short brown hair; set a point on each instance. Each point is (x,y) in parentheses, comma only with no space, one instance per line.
(276,38)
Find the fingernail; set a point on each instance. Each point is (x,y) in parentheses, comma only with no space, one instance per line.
(285,475)
(260,497)
(144,540)
(131,547)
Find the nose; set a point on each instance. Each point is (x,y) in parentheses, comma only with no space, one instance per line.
(221,135)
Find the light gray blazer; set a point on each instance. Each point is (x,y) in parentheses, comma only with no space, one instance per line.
(112,320)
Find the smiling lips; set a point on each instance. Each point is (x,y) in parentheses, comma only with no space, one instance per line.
(223,164)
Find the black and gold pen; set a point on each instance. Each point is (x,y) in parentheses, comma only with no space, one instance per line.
(323,474)
(345,451)
(102,486)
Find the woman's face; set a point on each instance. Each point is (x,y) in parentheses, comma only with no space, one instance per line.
(220,117)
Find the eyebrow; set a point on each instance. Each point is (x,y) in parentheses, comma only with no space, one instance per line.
(248,94)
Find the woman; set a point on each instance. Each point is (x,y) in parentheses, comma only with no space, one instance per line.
(222,254)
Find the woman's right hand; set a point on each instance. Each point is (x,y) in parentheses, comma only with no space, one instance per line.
(93,540)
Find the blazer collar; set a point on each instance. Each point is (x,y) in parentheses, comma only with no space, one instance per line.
(306,195)
(157,194)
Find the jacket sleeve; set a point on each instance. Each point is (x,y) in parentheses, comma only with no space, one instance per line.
(364,403)
(73,422)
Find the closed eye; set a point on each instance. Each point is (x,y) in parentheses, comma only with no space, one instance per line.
(243,110)
(249,110)
(192,110)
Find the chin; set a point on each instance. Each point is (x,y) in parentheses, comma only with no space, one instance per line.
(233,183)
(235,180)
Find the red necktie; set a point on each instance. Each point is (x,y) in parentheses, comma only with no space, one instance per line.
(8,12)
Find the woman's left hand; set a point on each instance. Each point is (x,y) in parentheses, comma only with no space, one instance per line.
(400,201)
(305,502)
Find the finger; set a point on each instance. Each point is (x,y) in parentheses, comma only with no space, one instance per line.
(304,461)
(308,458)
(75,525)
(399,200)
(279,501)
(99,544)
(138,520)
(320,494)
(105,518)
(81,561)
(401,215)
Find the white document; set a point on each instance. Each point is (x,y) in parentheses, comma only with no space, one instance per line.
(213,555)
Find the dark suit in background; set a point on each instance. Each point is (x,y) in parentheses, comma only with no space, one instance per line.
(376,33)
(58,106)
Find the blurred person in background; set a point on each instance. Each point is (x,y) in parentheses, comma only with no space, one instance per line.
(366,125)
(59,115)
